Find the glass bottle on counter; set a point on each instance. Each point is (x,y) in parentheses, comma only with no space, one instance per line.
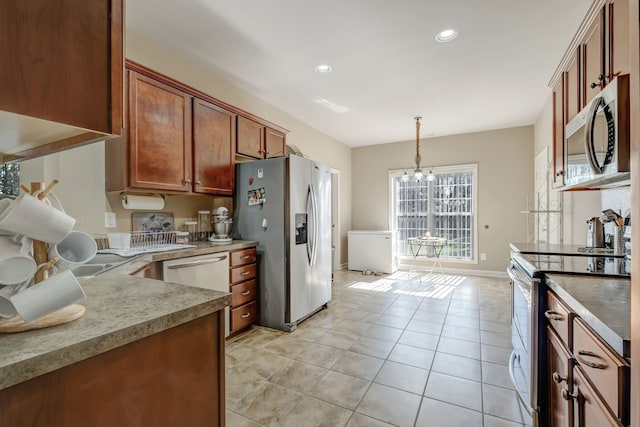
(191,228)
(204,225)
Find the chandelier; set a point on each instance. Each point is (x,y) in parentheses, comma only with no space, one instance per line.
(417,172)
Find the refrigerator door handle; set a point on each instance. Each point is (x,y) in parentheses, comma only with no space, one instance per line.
(309,215)
(314,243)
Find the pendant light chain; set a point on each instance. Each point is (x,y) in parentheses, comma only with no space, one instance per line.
(418,158)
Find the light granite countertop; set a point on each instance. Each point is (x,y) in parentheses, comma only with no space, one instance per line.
(601,302)
(120,309)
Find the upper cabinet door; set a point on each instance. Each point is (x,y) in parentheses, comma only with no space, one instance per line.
(618,42)
(274,143)
(62,61)
(159,135)
(558,134)
(572,96)
(593,59)
(250,137)
(213,138)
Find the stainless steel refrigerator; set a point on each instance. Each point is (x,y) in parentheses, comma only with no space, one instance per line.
(284,204)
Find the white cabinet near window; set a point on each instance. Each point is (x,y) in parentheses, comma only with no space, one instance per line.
(372,250)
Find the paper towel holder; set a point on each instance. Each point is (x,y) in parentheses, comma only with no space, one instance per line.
(124,197)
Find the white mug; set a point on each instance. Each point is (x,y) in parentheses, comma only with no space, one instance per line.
(75,249)
(58,291)
(7,309)
(35,218)
(16,264)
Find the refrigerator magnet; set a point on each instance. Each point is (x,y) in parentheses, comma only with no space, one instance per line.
(257,196)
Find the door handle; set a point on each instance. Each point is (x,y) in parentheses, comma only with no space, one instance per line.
(197,262)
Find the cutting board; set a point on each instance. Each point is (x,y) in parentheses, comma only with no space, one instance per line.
(64,315)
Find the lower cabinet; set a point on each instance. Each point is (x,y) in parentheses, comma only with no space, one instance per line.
(243,283)
(587,381)
(560,365)
(172,378)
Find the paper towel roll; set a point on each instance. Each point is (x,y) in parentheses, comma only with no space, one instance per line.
(144,203)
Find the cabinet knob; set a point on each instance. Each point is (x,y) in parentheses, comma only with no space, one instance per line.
(594,85)
(198,182)
(557,378)
(187,181)
(559,173)
(568,396)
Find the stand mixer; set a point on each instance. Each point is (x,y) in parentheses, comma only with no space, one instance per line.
(221,226)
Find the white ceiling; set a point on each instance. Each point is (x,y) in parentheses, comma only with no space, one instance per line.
(387,66)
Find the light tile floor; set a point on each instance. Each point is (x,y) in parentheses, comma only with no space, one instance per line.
(390,350)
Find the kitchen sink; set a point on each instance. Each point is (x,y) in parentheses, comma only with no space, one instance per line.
(99,264)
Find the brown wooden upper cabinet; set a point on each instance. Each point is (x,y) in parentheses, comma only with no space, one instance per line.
(159,135)
(63,61)
(176,143)
(258,141)
(180,140)
(605,48)
(213,136)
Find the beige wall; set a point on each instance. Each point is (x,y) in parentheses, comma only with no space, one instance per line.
(505,177)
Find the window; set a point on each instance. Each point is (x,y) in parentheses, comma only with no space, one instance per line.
(444,207)
(10,179)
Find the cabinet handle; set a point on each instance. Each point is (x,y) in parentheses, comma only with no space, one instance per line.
(187,181)
(245,293)
(198,182)
(589,363)
(245,257)
(557,378)
(244,316)
(244,273)
(559,173)
(552,315)
(568,396)
(594,85)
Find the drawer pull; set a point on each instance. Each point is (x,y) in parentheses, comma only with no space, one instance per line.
(244,316)
(245,293)
(589,363)
(552,315)
(568,396)
(245,257)
(558,378)
(244,273)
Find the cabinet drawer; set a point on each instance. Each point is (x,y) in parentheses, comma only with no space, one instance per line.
(240,274)
(605,369)
(244,316)
(245,256)
(244,292)
(559,317)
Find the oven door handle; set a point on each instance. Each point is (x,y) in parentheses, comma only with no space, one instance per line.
(512,361)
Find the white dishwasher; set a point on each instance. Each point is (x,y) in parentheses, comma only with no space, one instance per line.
(209,271)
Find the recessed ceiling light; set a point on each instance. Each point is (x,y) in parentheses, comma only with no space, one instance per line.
(323,69)
(446,35)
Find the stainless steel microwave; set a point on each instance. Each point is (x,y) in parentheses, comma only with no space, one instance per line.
(597,140)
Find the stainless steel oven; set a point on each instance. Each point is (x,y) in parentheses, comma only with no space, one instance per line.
(523,362)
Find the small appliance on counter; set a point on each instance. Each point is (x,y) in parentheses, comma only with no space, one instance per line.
(595,233)
(221,226)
